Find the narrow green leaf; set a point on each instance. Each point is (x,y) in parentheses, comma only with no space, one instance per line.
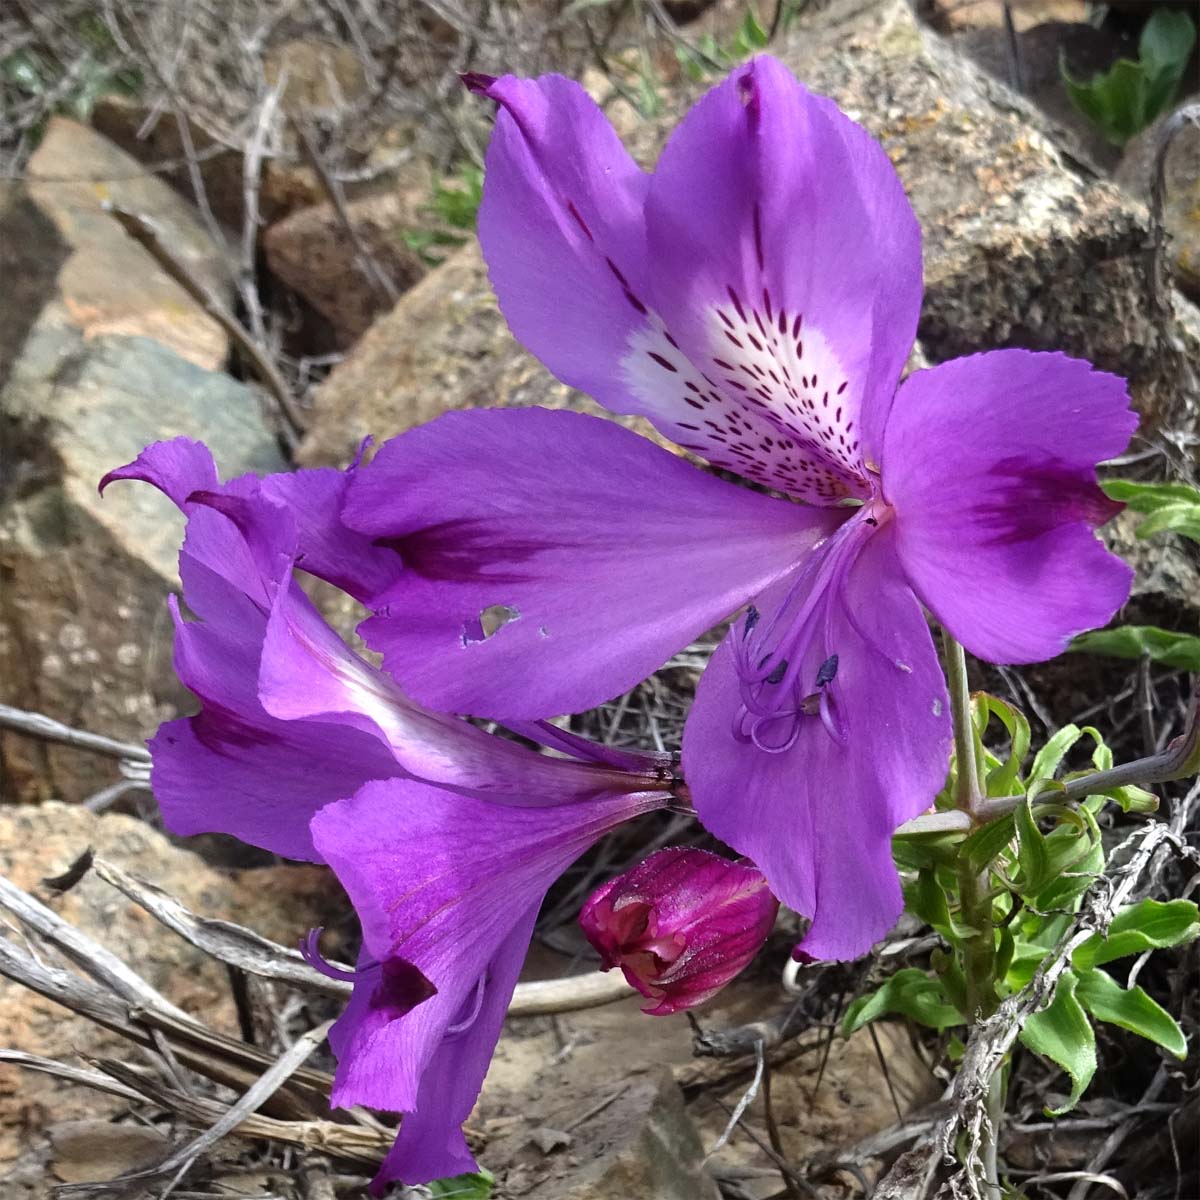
(1148,925)
(925,898)
(1132,1009)
(1005,779)
(1032,856)
(1146,497)
(911,993)
(1063,1034)
(1180,650)
(1049,757)
(1064,890)
(1182,518)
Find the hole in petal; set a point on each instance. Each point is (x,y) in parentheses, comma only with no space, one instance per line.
(489,622)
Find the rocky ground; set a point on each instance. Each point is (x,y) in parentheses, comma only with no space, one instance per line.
(306,276)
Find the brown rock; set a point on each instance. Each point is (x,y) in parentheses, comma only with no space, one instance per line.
(1022,247)
(444,346)
(85,635)
(349,284)
(279,902)
(106,282)
(154,139)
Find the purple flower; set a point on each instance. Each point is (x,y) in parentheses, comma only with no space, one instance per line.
(756,298)
(445,838)
(680,925)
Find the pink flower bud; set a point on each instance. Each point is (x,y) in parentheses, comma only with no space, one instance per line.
(680,925)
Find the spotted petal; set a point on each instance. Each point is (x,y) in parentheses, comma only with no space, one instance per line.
(785,286)
(990,462)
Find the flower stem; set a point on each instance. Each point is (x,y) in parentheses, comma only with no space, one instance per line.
(978,946)
(967,772)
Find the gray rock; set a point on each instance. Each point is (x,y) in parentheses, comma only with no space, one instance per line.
(85,636)
(1023,247)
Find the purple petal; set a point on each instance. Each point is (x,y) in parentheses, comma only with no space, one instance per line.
(177,468)
(785,287)
(863,752)
(430,1144)
(561,229)
(990,463)
(445,881)
(326,548)
(309,675)
(235,769)
(532,538)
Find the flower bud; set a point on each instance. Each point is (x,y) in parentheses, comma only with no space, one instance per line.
(680,925)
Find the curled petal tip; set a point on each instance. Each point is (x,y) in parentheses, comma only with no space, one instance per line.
(477,82)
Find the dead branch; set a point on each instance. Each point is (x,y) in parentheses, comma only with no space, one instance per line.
(146,233)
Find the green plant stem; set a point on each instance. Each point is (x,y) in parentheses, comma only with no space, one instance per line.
(967,792)
(974,894)
(979,949)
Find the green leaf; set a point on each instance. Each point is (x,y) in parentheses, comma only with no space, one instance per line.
(1173,518)
(1005,779)
(1131,1009)
(909,992)
(1074,878)
(1063,1034)
(1166,42)
(1180,650)
(924,897)
(463,1187)
(751,35)
(1032,856)
(1049,757)
(985,845)
(1127,98)
(1147,497)
(1148,925)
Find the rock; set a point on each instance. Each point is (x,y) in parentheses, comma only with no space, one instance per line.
(640,1144)
(567,1072)
(312,253)
(1087,51)
(1181,210)
(948,16)
(444,346)
(1022,248)
(278,902)
(85,635)
(106,283)
(154,139)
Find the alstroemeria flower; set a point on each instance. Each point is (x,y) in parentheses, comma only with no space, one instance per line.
(680,925)
(756,298)
(303,748)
